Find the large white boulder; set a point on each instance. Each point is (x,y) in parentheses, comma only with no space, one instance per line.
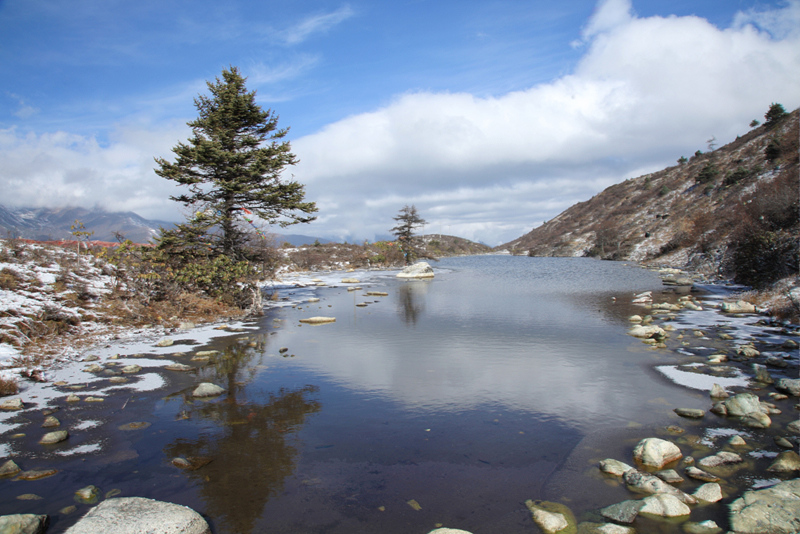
(656,452)
(418,270)
(137,515)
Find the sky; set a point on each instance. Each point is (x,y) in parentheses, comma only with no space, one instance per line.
(490,117)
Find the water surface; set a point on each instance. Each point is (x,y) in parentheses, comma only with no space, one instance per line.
(450,401)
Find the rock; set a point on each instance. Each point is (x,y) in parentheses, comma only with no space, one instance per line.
(794,427)
(689,305)
(87,495)
(623,512)
(29,497)
(635,318)
(350,281)
(790,344)
(783,443)
(318,320)
(93,399)
(73,398)
(9,469)
(740,306)
(774,510)
(94,368)
(656,452)
(181,367)
(756,420)
(207,389)
(718,392)
(721,458)
(550,517)
(448,531)
(603,528)
(136,425)
(789,385)
(747,351)
(670,476)
(166,342)
(23,524)
(418,270)
(377,294)
(137,515)
(50,422)
(709,492)
(776,361)
(785,462)
(664,505)
(131,369)
(703,527)
(206,353)
(36,474)
(12,404)
(761,374)
(54,437)
(647,332)
(646,483)
(742,404)
(699,474)
(614,467)
(737,441)
(690,413)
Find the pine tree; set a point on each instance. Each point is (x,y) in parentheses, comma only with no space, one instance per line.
(408,219)
(233,163)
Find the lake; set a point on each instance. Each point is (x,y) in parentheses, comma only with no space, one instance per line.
(446,402)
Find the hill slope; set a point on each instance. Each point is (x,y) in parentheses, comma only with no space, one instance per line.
(692,215)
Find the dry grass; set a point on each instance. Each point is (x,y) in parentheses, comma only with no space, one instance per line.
(8,386)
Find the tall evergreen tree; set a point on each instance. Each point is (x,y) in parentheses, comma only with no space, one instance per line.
(408,219)
(232,165)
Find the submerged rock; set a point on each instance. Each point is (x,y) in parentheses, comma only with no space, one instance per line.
(721,458)
(774,510)
(622,512)
(614,467)
(551,517)
(718,392)
(690,413)
(137,515)
(318,320)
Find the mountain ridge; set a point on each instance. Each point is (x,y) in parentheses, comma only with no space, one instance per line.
(689,215)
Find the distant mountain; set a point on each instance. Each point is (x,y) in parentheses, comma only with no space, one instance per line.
(690,215)
(48,224)
(53,224)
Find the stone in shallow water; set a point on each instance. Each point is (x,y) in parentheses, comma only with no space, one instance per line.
(670,476)
(87,495)
(23,523)
(54,437)
(786,462)
(721,458)
(699,474)
(36,474)
(774,510)
(703,527)
(709,492)
(129,515)
(207,389)
(664,505)
(690,413)
(656,452)
(614,467)
(623,512)
(9,468)
(551,517)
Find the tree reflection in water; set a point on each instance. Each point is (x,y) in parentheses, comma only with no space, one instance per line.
(252,453)
(411,300)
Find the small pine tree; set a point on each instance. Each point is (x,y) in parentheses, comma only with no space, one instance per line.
(775,114)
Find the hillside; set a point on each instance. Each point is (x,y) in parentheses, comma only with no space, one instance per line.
(698,214)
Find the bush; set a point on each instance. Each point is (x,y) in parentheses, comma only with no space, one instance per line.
(707,174)
(761,258)
(773,150)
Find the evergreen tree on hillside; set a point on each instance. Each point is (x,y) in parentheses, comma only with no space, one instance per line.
(775,113)
(232,166)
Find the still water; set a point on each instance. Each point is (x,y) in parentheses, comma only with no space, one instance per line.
(447,402)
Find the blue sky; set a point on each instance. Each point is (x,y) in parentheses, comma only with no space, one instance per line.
(490,117)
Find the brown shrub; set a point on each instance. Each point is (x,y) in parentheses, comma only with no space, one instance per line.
(8,386)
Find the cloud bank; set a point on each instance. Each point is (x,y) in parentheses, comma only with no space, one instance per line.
(646,91)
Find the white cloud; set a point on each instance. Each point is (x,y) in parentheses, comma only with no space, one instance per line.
(315,24)
(647,91)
